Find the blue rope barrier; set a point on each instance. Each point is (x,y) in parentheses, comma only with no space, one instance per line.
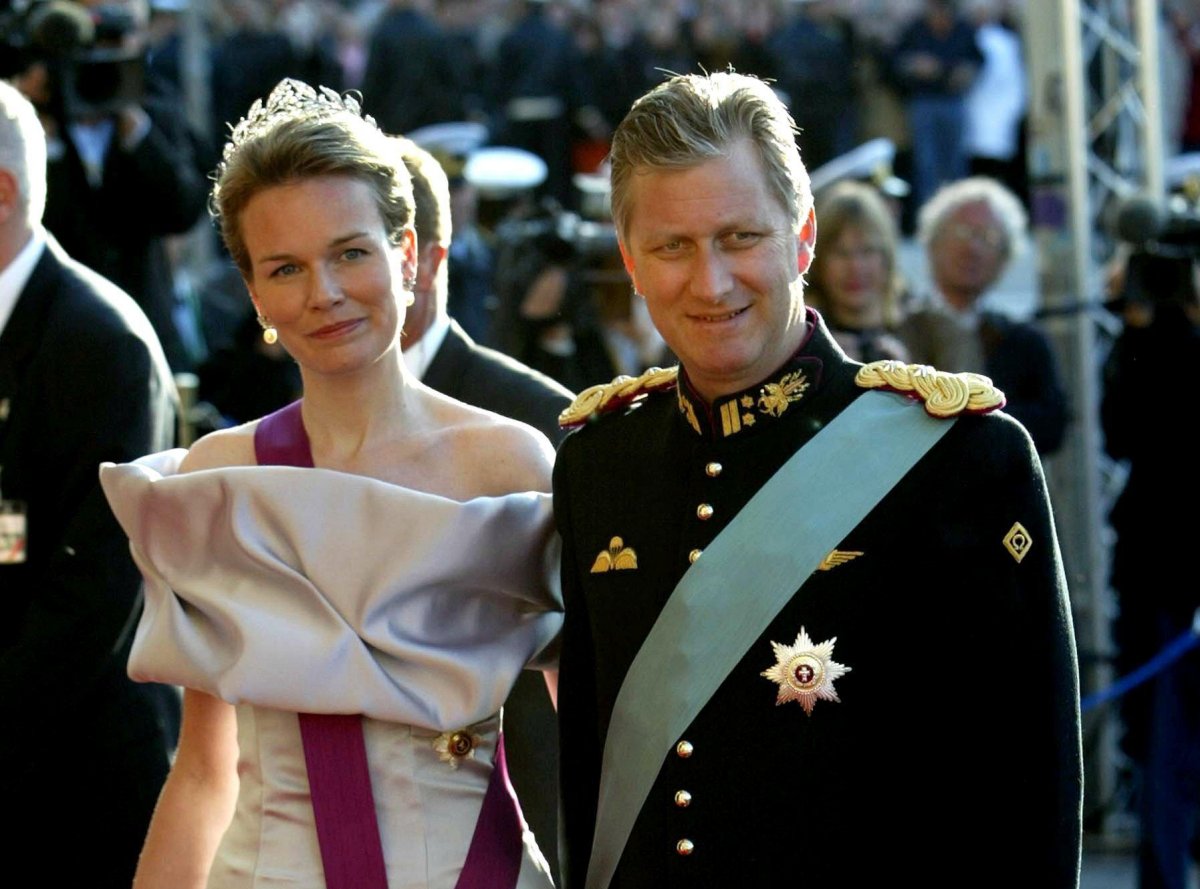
(1184,643)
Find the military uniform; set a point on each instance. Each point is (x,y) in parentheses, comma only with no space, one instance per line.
(952,755)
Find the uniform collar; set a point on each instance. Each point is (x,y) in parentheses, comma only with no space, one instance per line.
(781,396)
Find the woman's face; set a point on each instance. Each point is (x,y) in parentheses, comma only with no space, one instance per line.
(323,272)
(856,271)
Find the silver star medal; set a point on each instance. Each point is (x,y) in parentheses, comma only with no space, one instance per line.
(805,672)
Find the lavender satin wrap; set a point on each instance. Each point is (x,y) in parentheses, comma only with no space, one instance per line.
(265,582)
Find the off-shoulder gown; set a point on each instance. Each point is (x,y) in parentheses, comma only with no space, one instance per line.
(285,590)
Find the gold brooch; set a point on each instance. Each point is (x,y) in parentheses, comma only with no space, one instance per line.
(837,557)
(776,397)
(618,557)
(1017,541)
(454,747)
(805,672)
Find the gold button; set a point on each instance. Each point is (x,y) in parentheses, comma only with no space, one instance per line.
(460,743)
(694,555)
(684,749)
(704,512)
(712,470)
(685,847)
(683,799)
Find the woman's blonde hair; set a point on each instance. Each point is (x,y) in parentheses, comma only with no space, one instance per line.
(850,204)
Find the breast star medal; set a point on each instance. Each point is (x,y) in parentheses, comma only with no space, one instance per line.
(805,672)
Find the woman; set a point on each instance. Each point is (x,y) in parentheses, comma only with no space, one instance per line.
(853,281)
(400,579)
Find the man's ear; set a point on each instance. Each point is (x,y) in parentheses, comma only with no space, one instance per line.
(807,241)
(410,260)
(628,263)
(10,195)
(429,259)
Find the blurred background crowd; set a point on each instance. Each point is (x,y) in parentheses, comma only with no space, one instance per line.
(548,78)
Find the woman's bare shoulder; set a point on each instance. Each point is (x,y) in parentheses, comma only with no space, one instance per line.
(517,457)
(225,447)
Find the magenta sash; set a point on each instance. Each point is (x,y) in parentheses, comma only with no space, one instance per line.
(335,754)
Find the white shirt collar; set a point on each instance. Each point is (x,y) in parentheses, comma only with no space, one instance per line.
(92,141)
(14,278)
(967,319)
(420,354)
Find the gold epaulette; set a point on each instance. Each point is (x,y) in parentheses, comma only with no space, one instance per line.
(943,394)
(607,397)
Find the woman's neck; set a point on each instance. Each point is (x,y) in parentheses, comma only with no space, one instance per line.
(345,414)
(866,317)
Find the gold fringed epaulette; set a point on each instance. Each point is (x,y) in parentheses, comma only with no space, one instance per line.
(943,394)
(607,397)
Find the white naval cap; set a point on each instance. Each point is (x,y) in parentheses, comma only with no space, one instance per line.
(497,171)
(871,161)
(501,172)
(595,192)
(451,143)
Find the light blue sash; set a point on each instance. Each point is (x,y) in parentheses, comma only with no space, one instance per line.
(727,598)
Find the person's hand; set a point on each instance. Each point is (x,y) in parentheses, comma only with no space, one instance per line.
(961,77)
(132,125)
(1138,313)
(34,84)
(923,66)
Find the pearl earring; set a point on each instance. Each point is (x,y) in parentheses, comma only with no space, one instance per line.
(269,334)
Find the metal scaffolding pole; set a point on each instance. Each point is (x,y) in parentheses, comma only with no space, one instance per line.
(1095,139)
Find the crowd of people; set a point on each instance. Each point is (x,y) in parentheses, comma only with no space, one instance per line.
(348,573)
(556,77)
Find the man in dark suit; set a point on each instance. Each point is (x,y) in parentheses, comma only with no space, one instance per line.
(412,78)
(793,604)
(82,380)
(445,358)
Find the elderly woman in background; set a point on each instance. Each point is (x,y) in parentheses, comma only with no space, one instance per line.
(347,588)
(853,281)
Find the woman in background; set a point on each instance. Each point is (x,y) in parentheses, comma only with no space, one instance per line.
(853,281)
(347,623)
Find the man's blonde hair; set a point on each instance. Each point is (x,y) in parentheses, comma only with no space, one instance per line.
(693,118)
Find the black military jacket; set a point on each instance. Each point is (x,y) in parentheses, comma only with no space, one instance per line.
(953,755)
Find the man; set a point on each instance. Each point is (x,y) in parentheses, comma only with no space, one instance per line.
(971,230)
(125,171)
(537,95)
(1151,558)
(82,380)
(818,700)
(813,58)
(934,63)
(412,78)
(445,358)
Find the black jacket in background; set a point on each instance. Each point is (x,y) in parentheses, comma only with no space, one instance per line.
(85,749)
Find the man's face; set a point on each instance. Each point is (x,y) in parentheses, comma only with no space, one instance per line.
(968,253)
(714,254)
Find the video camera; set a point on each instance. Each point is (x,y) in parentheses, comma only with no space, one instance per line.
(1166,242)
(92,71)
